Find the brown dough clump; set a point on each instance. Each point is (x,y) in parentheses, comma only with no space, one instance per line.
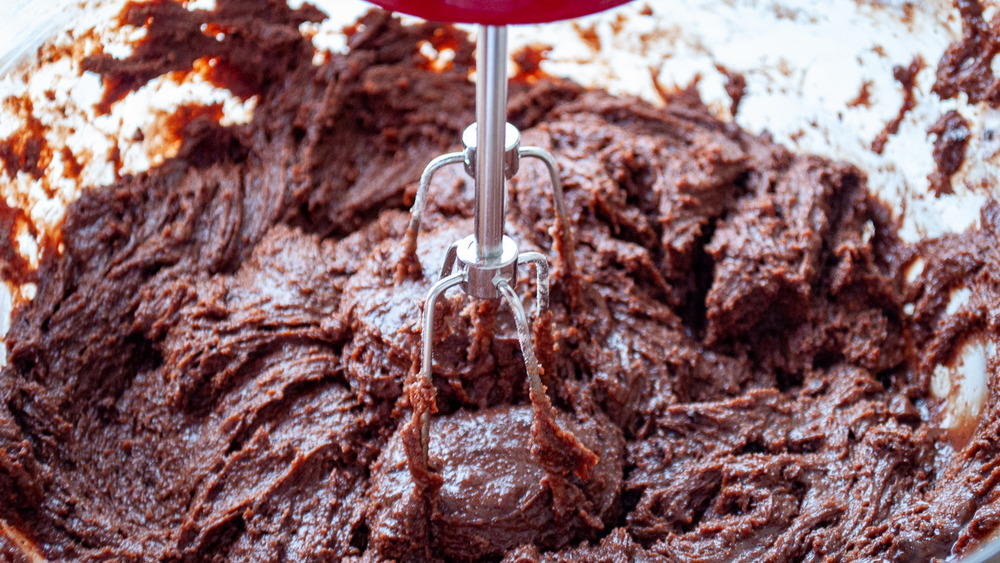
(215,366)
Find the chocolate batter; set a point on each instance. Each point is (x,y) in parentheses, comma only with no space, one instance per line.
(214,367)
(967,63)
(907,78)
(951,137)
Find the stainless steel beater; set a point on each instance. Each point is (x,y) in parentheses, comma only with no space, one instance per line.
(484,264)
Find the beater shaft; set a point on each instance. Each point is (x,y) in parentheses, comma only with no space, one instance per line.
(491,122)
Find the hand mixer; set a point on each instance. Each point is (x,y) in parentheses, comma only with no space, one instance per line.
(484,264)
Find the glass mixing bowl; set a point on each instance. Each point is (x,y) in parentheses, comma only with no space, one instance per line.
(805,64)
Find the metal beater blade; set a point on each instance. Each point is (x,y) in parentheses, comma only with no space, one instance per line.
(484,264)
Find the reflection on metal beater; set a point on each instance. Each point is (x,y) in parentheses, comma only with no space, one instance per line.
(484,264)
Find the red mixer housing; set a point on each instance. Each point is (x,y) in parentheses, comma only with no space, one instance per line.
(498,12)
